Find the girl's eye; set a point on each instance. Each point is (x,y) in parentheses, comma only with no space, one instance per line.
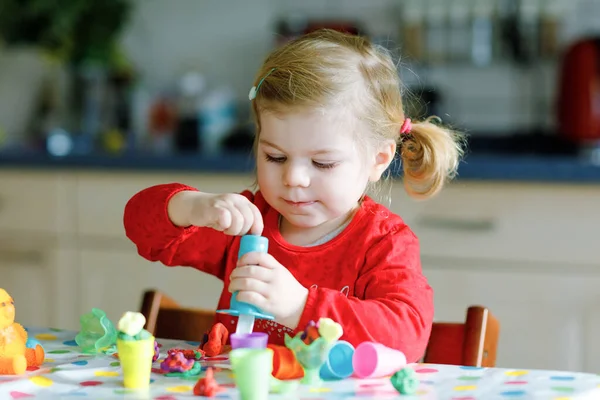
(324,165)
(274,159)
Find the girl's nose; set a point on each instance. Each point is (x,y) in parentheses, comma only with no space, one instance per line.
(296,176)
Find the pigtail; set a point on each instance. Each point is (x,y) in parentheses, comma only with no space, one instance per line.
(430,156)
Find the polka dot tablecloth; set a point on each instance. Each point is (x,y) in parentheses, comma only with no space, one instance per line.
(67,373)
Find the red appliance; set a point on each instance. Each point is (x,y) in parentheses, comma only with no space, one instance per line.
(579,93)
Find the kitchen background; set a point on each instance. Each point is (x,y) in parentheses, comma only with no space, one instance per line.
(101,99)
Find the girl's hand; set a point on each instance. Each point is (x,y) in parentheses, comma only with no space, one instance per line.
(263,282)
(230,213)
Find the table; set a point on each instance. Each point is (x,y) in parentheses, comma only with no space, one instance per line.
(68,373)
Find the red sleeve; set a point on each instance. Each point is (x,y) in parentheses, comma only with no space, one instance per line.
(397,309)
(148,226)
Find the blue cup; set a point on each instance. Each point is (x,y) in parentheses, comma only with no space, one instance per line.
(339,362)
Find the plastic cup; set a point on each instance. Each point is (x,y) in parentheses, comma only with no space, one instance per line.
(374,360)
(136,361)
(339,361)
(255,340)
(252,372)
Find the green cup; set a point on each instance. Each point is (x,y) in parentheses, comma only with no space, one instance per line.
(252,370)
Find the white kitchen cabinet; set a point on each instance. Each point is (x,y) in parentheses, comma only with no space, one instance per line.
(37,245)
(115,279)
(101,197)
(546,312)
(40,202)
(38,275)
(512,221)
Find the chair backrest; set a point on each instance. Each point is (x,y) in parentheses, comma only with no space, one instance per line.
(472,343)
(168,320)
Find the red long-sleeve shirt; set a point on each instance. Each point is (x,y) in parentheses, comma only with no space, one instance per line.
(368,278)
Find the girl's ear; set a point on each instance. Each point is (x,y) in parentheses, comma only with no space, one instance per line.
(383,158)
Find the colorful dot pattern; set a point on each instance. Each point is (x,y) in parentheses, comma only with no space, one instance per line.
(67,373)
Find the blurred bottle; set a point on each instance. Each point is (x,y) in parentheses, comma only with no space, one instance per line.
(162,124)
(90,101)
(482,32)
(290,27)
(187,133)
(459,36)
(529,17)
(550,26)
(218,117)
(412,31)
(141,103)
(436,28)
(501,14)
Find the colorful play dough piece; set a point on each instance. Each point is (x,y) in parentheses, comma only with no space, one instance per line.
(330,330)
(405,381)
(131,323)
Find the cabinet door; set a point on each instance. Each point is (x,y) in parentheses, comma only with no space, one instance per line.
(544,313)
(102,215)
(37,202)
(114,280)
(37,277)
(515,222)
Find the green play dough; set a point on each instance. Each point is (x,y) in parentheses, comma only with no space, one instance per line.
(194,371)
(125,337)
(405,381)
(143,335)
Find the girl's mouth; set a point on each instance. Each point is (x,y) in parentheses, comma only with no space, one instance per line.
(300,203)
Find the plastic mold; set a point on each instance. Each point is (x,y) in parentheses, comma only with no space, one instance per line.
(97,332)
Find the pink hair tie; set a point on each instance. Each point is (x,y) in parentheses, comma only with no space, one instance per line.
(406,127)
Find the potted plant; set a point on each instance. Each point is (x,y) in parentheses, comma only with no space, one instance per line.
(37,37)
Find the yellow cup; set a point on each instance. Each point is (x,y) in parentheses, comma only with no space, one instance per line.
(136,362)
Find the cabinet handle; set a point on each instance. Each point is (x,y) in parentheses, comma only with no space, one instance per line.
(14,256)
(457,224)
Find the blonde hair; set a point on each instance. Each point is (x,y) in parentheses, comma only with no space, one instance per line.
(327,68)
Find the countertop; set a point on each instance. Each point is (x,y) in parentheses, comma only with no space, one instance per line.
(502,160)
(474,167)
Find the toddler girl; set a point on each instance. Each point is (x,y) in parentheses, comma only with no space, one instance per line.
(329,119)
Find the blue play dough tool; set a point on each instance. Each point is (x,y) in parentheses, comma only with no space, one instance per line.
(245,312)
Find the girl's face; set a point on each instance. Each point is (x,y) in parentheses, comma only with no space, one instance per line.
(311,168)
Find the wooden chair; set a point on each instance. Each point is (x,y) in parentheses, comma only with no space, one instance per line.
(472,343)
(168,320)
